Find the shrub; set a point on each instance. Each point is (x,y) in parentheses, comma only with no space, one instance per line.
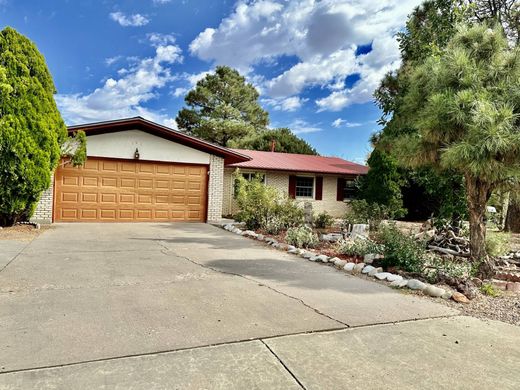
(360,211)
(301,237)
(497,244)
(489,289)
(263,207)
(358,247)
(439,268)
(323,220)
(402,250)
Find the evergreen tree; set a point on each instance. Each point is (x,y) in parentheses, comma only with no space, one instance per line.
(465,105)
(222,107)
(284,141)
(31,128)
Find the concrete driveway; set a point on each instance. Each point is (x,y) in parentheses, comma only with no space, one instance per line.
(192,306)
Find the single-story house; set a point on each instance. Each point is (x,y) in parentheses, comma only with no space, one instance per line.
(140,171)
(328,183)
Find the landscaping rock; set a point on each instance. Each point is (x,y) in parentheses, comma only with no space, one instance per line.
(314,258)
(458,297)
(382,275)
(415,284)
(375,271)
(349,267)
(394,277)
(293,251)
(323,258)
(358,268)
(513,286)
(340,263)
(447,294)
(290,247)
(368,269)
(308,255)
(260,237)
(331,237)
(399,283)
(369,258)
(434,291)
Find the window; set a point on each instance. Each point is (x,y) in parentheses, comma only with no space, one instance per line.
(248,176)
(304,187)
(350,189)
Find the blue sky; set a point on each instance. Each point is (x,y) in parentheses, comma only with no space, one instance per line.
(315,63)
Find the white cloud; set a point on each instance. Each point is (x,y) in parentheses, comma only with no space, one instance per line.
(292,103)
(159,39)
(178,92)
(300,126)
(135,20)
(112,60)
(125,96)
(344,123)
(322,35)
(161,2)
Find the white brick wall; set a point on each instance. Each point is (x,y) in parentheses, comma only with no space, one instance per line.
(43,212)
(280,180)
(215,188)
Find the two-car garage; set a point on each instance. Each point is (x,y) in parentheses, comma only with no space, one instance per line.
(138,171)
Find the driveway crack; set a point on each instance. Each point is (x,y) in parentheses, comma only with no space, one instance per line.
(283,365)
(169,251)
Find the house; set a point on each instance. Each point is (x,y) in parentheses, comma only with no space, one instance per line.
(328,183)
(140,171)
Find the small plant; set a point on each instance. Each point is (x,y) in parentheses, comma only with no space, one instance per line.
(402,250)
(497,244)
(361,211)
(439,268)
(358,247)
(323,220)
(302,237)
(490,290)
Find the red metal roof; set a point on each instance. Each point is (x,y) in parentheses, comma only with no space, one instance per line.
(298,163)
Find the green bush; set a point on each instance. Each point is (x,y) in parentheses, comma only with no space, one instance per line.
(361,211)
(302,237)
(263,207)
(497,244)
(402,250)
(323,220)
(438,268)
(489,289)
(358,247)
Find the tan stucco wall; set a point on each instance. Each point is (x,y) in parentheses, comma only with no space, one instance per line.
(280,180)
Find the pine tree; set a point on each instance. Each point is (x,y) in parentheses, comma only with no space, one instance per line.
(222,107)
(465,104)
(284,140)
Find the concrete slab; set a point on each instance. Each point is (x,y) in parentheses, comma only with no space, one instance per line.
(238,366)
(349,299)
(454,353)
(67,325)
(9,249)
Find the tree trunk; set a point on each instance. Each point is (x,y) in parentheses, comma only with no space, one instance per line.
(512,222)
(478,194)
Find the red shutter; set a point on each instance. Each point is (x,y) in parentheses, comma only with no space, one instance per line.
(292,186)
(319,187)
(341,186)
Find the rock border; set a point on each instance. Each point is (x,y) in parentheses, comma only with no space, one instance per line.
(392,280)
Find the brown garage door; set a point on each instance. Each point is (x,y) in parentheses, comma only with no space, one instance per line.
(107,190)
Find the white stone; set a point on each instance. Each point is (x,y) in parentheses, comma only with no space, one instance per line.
(314,258)
(394,277)
(323,258)
(369,258)
(415,284)
(349,267)
(447,295)
(358,268)
(375,271)
(382,275)
(434,291)
(399,283)
(340,263)
(368,269)
(290,247)
(260,237)
(292,251)
(308,255)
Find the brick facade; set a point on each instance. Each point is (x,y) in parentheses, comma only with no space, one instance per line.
(43,212)
(215,188)
(280,180)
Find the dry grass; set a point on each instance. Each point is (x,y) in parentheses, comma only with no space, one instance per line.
(21,232)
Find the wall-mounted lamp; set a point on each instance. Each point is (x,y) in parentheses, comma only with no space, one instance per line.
(136,154)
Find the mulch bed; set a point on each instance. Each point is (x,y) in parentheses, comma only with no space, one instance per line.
(21,232)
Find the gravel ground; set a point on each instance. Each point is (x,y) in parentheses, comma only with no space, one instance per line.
(21,232)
